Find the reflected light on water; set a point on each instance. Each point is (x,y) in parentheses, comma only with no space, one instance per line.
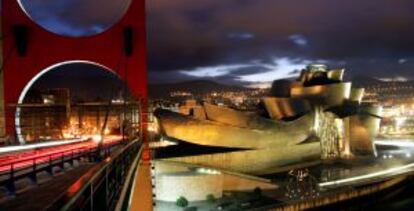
(400,143)
(378,174)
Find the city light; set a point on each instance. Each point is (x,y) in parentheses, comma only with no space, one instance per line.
(399,122)
(207,171)
(153,127)
(97,138)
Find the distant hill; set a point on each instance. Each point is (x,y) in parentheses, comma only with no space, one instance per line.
(365,81)
(197,87)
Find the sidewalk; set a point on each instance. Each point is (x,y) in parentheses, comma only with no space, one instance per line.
(142,195)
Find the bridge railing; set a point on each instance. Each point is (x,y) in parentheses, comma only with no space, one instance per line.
(101,187)
(12,171)
(126,195)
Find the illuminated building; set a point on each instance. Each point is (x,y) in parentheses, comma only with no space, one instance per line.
(45,114)
(317,117)
(397,99)
(50,114)
(88,118)
(191,107)
(390,93)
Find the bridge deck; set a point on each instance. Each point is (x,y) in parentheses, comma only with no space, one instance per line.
(39,197)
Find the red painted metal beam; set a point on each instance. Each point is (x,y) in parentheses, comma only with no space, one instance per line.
(45,49)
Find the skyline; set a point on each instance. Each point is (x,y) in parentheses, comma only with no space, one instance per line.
(244,41)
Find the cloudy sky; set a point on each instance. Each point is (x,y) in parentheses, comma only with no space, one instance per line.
(253,41)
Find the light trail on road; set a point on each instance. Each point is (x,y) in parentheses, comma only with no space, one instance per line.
(41,155)
(39,145)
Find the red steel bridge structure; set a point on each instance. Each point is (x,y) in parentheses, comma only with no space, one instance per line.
(29,50)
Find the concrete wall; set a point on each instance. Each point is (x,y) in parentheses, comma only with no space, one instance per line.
(193,186)
(235,183)
(173,180)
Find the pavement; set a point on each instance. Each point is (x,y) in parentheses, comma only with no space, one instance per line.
(142,194)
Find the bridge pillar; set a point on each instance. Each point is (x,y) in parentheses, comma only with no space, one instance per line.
(3,137)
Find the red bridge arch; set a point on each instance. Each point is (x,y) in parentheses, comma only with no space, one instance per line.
(43,49)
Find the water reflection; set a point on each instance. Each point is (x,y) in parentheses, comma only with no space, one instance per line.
(301,185)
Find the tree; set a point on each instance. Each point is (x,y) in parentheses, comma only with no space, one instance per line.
(257,191)
(210,198)
(182,202)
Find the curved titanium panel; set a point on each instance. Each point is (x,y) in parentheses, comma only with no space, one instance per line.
(230,116)
(325,95)
(372,110)
(357,94)
(280,108)
(208,133)
(336,75)
(362,129)
(236,118)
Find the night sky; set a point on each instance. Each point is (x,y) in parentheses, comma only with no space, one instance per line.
(253,41)
(86,82)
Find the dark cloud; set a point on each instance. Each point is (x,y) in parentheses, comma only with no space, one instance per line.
(76,17)
(169,77)
(294,72)
(258,36)
(250,70)
(342,32)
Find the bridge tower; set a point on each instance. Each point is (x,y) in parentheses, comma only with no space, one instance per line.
(28,49)
(2,114)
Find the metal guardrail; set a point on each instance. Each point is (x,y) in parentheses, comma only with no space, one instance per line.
(99,189)
(10,172)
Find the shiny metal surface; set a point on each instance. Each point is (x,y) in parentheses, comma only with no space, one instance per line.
(280,108)
(357,94)
(325,95)
(315,121)
(336,75)
(264,133)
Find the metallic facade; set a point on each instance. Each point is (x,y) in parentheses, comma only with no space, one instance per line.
(321,118)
